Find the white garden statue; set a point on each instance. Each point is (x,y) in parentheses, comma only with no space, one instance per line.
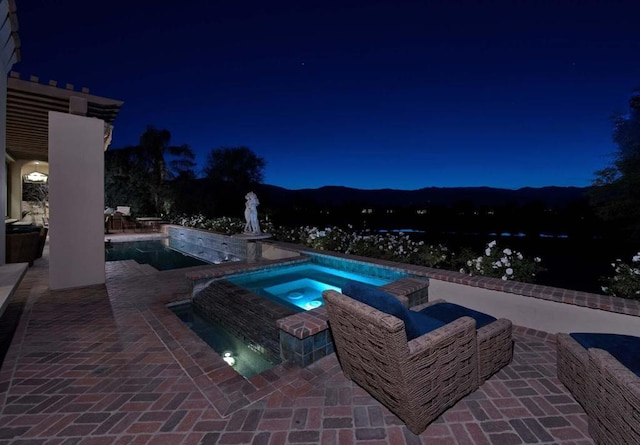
(251,214)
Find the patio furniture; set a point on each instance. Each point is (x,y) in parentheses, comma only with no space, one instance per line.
(42,239)
(116,222)
(602,371)
(495,342)
(22,247)
(150,223)
(416,366)
(124,210)
(128,223)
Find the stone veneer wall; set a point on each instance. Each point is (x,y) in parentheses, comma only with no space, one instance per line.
(206,245)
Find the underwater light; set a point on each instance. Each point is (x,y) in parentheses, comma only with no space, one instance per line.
(312,304)
(228,358)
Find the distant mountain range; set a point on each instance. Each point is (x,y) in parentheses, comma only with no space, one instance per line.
(330,196)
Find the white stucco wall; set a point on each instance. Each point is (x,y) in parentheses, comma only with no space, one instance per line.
(8,56)
(3,164)
(535,313)
(76,198)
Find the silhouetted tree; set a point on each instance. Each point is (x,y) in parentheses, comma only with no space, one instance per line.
(125,181)
(239,165)
(155,148)
(141,175)
(615,192)
(231,172)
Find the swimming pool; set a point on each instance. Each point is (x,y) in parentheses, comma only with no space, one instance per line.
(156,253)
(300,286)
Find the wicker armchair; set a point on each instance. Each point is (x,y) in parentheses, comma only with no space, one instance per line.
(608,390)
(615,416)
(572,363)
(415,379)
(495,341)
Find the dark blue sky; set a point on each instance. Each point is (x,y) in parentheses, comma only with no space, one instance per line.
(370,94)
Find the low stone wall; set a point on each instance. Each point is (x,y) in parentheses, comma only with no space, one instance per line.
(536,313)
(208,246)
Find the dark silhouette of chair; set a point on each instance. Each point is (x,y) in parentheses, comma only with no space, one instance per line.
(42,239)
(22,247)
(128,223)
(117,222)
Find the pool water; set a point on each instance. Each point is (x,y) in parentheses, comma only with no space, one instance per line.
(245,358)
(299,287)
(153,252)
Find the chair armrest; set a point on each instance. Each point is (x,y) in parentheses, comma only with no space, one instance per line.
(426,343)
(616,371)
(616,398)
(496,328)
(425,305)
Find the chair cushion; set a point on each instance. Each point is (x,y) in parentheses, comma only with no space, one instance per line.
(415,324)
(448,312)
(422,324)
(623,347)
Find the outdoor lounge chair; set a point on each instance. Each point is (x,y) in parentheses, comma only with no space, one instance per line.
(495,341)
(602,371)
(416,378)
(129,223)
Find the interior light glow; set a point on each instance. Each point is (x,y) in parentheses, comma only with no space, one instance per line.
(35,177)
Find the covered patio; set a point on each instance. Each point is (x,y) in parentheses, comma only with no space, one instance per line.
(112,365)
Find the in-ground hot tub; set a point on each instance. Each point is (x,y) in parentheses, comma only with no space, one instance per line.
(300,286)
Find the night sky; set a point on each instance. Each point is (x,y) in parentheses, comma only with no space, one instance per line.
(370,94)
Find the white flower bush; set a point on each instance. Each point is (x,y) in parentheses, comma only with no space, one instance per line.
(625,282)
(506,264)
(224,224)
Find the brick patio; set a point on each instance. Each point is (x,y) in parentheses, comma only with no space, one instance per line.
(111,365)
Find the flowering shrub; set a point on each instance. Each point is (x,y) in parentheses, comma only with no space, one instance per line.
(626,281)
(394,247)
(224,224)
(505,263)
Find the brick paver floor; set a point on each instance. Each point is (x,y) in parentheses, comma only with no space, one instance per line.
(111,365)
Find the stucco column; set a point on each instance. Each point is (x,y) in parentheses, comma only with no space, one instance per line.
(8,56)
(3,163)
(76,197)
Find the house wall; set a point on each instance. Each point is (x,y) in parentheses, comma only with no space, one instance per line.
(3,161)
(76,197)
(15,200)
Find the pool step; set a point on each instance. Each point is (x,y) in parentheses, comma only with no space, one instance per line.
(129,268)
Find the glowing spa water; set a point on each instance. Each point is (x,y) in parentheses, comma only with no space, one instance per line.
(300,287)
